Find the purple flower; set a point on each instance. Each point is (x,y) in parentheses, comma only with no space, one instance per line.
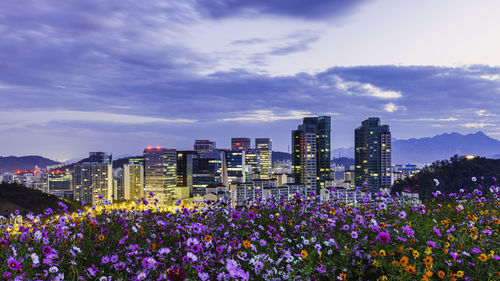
(203,276)
(250,215)
(235,216)
(354,234)
(384,237)
(13,264)
(475,251)
(431,244)
(47,250)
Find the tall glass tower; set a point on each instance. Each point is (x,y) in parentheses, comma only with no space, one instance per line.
(160,174)
(311,152)
(372,154)
(265,148)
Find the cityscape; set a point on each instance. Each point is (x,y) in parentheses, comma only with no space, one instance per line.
(206,173)
(237,140)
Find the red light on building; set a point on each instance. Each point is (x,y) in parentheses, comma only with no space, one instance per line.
(35,172)
(238,144)
(158,148)
(18,172)
(58,171)
(149,147)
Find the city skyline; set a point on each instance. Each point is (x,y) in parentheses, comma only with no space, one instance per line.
(119,77)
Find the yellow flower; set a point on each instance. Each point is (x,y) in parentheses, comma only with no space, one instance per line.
(451,238)
(415,254)
(447,245)
(428,251)
(460,274)
(382,253)
(375,263)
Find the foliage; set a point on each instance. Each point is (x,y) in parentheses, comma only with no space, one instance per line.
(451,175)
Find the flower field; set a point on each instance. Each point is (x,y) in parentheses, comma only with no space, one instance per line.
(452,237)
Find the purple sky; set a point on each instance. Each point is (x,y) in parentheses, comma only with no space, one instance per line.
(117,76)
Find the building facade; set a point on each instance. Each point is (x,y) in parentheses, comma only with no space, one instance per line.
(133,181)
(93,178)
(311,152)
(240,144)
(160,175)
(204,146)
(265,150)
(372,155)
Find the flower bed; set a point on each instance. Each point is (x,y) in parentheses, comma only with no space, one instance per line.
(448,238)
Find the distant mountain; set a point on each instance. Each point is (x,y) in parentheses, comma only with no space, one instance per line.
(343,152)
(428,150)
(281,156)
(496,156)
(12,163)
(345,161)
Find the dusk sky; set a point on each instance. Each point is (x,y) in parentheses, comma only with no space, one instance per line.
(117,76)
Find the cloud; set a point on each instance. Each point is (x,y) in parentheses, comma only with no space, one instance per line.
(390,107)
(476,125)
(265,116)
(366,89)
(485,113)
(491,77)
(311,10)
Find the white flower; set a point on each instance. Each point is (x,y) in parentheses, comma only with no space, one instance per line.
(35,258)
(474,179)
(436,182)
(53,269)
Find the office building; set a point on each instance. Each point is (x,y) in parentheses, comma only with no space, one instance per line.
(61,183)
(240,144)
(160,175)
(92,178)
(252,163)
(265,150)
(311,152)
(204,146)
(133,181)
(236,170)
(185,169)
(372,155)
(208,170)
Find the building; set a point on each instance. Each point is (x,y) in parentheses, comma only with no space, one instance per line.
(240,144)
(160,175)
(93,178)
(244,193)
(401,172)
(61,183)
(265,150)
(118,187)
(204,146)
(372,154)
(252,163)
(236,166)
(311,152)
(208,169)
(185,169)
(133,181)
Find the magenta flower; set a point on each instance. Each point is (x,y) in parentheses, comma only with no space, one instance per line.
(13,264)
(384,237)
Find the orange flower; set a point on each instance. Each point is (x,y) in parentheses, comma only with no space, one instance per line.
(100,237)
(428,260)
(208,238)
(374,253)
(483,257)
(246,244)
(441,274)
(303,254)
(153,245)
(411,269)
(404,261)
(342,276)
(395,264)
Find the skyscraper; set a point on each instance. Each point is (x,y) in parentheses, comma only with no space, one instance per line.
(235,161)
(133,181)
(93,177)
(265,152)
(240,144)
(372,154)
(204,146)
(311,152)
(160,174)
(185,169)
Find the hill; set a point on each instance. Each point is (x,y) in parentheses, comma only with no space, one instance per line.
(281,156)
(17,197)
(12,163)
(453,175)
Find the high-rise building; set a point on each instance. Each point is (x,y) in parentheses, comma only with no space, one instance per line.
(372,154)
(240,144)
(208,170)
(92,178)
(311,152)
(236,170)
(133,181)
(204,146)
(185,169)
(252,165)
(160,175)
(265,150)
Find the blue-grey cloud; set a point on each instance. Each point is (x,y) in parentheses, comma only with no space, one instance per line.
(316,9)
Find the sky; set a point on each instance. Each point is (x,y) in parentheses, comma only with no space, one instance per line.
(120,75)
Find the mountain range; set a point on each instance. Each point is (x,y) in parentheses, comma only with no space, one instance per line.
(429,149)
(414,151)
